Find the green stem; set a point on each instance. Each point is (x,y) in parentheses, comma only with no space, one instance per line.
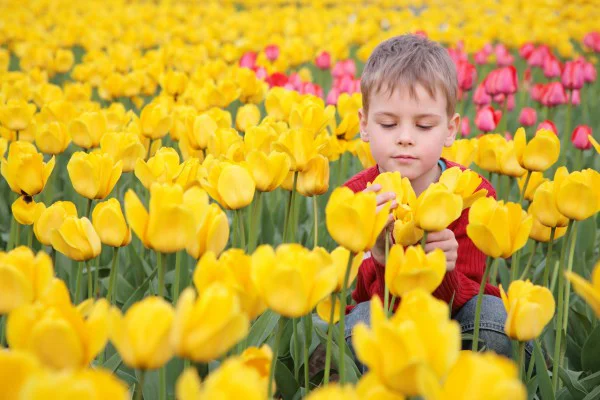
(161,258)
(254,220)
(280,329)
(177,276)
(296,349)
(522,361)
(522,194)
(329,339)
(78,282)
(386,289)
(484,279)
(514,266)
(88,268)
(559,317)
(504,121)
(293,228)
(242,233)
(13,231)
(531,364)
(140,388)
(162,383)
(342,324)
(286,221)
(3,340)
(88,208)
(30,237)
(424,240)
(391,309)
(549,256)
(567,282)
(18,236)
(97,278)
(529,262)
(578,160)
(112,287)
(316,217)
(307,339)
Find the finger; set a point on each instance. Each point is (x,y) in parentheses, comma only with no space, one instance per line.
(450,266)
(384,197)
(440,236)
(373,188)
(445,246)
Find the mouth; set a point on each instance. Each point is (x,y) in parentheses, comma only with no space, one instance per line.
(404,157)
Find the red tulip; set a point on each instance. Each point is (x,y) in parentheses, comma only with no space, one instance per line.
(538,56)
(572,76)
(547,124)
(465,126)
(579,137)
(311,88)
(323,60)
(537,91)
(248,60)
(526,50)
(277,79)
(487,119)
(481,97)
(503,56)
(528,116)
(467,75)
(592,41)
(272,52)
(554,95)
(552,67)
(458,55)
(503,80)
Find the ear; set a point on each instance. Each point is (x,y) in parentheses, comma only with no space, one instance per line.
(453,126)
(364,135)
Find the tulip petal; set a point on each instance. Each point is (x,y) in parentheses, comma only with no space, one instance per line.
(584,289)
(56,344)
(483,237)
(15,289)
(137,216)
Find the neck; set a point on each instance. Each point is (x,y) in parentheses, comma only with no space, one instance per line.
(422,182)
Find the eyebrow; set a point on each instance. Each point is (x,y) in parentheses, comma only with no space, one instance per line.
(391,114)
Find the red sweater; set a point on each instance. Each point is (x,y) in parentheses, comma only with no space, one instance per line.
(463,282)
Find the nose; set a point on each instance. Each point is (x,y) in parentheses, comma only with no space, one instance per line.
(404,136)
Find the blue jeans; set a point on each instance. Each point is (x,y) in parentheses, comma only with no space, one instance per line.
(491,331)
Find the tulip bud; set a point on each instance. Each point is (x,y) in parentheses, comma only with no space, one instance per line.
(323,60)
(405,271)
(579,137)
(465,126)
(93,175)
(26,210)
(231,185)
(540,153)
(437,207)
(25,170)
(528,116)
(315,179)
(547,125)
(247,116)
(77,239)
(88,129)
(589,291)
(109,223)
(524,300)
(554,95)
(487,119)
(173,83)
(467,76)
(248,60)
(502,81)
(481,97)
(272,52)
(155,121)
(16,115)
(572,76)
(589,72)
(552,67)
(577,195)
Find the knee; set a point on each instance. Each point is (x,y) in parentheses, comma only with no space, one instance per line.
(360,313)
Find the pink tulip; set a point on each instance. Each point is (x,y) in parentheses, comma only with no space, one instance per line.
(552,67)
(481,97)
(538,56)
(248,60)
(579,137)
(465,126)
(537,91)
(572,76)
(295,80)
(272,52)
(480,57)
(576,97)
(467,76)
(554,95)
(510,105)
(592,41)
(526,50)
(503,56)
(323,60)
(261,72)
(345,84)
(547,124)
(589,72)
(487,119)
(346,67)
(502,81)
(332,96)
(528,116)
(458,55)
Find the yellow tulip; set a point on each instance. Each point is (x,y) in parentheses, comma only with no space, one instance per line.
(25,170)
(233,270)
(594,143)
(232,380)
(161,168)
(363,152)
(231,185)
(487,155)
(247,115)
(498,229)
(46,93)
(394,182)
(171,221)
(109,223)
(462,151)
(544,207)
(437,207)
(142,335)
(369,387)
(529,308)
(333,392)
(405,231)
(87,130)
(509,164)
(212,233)
(300,145)
(482,376)
(93,175)
(173,83)
(156,121)
(124,147)
(589,291)
(59,110)
(292,279)
(202,127)
(63,60)
(463,183)
(540,153)
(206,327)
(16,115)
(77,239)
(52,138)
(51,218)
(314,180)
(311,115)
(3,146)
(259,359)
(84,384)
(348,127)
(62,336)
(420,339)
(24,277)
(340,257)
(536,178)
(26,210)
(324,309)
(16,370)
(279,102)
(578,194)
(353,220)
(268,170)
(412,269)
(349,104)
(541,232)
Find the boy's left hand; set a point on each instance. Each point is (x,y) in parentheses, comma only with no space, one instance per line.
(445,241)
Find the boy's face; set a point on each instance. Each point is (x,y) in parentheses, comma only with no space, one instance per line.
(407,133)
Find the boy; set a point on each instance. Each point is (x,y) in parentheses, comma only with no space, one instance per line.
(409,92)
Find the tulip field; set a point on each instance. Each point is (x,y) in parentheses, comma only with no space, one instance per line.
(174,222)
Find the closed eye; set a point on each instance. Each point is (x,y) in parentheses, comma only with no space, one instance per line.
(424,127)
(387,126)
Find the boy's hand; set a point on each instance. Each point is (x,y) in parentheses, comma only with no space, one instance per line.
(378,251)
(445,241)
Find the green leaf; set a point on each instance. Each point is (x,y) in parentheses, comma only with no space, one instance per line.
(314,341)
(532,387)
(113,363)
(571,381)
(140,291)
(542,375)
(352,372)
(151,384)
(594,394)
(590,382)
(262,328)
(286,384)
(589,353)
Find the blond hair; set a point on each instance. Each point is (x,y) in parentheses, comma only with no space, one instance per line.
(405,61)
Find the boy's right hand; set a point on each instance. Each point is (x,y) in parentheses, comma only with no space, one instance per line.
(378,251)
